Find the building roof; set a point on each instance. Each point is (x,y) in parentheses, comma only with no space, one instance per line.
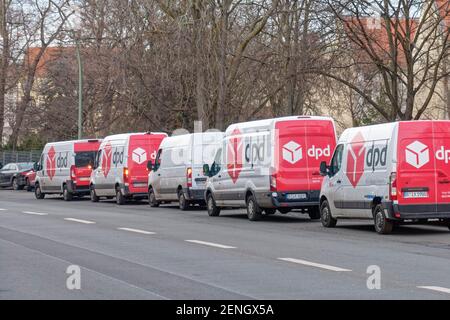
(50,54)
(444,10)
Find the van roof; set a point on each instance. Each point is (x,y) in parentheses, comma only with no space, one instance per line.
(185,139)
(271,122)
(72,142)
(123,136)
(376,132)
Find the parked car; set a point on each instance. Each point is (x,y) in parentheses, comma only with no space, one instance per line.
(270,165)
(12,174)
(177,172)
(390,173)
(30,179)
(65,168)
(121,166)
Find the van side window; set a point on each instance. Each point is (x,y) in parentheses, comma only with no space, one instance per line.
(97,159)
(158,160)
(215,167)
(336,162)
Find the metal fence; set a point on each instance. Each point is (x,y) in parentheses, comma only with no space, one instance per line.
(19,156)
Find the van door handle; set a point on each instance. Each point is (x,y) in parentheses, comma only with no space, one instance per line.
(219,176)
(444,181)
(339,181)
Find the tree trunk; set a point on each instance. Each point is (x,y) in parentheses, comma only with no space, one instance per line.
(3,66)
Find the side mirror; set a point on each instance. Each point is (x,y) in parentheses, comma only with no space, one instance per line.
(150,166)
(206,170)
(36,166)
(323,168)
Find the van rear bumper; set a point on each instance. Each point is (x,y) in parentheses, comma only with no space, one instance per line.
(417,211)
(195,194)
(268,200)
(77,189)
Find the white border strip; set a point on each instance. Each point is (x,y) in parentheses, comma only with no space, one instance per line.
(434,288)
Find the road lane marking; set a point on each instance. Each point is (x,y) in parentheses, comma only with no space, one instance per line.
(211,244)
(314,264)
(2,209)
(79,220)
(136,230)
(434,288)
(35,213)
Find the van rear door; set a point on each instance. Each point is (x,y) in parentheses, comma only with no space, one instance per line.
(300,146)
(141,149)
(204,148)
(442,146)
(416,168)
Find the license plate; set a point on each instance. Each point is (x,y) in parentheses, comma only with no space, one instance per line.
(296,196)
(84,179)
(415,194)
(139,184)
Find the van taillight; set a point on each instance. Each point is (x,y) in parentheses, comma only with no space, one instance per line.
(73,174)
(125,175)
(189,177)
(393,186)
(273,182)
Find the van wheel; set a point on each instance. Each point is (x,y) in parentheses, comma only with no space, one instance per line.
(213,209)
(38,192)
(254,212)
(68,196)
(284,210)
(382,224)
(94,197)
(182,202)
(152,199)
(120,199)
(326,217)
(270,211)
(314,213)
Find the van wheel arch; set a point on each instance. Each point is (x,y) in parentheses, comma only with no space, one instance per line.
(375,202)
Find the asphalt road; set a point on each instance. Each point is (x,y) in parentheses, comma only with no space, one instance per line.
(138,252)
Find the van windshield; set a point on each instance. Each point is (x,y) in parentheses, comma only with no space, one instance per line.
(85,158)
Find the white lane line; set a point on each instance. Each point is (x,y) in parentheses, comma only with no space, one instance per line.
(211,244)
(2,209)
(35,213)
(136,230)
(314,264)
(79,220)
(434,288)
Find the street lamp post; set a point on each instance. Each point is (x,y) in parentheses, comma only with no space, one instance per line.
(80,89)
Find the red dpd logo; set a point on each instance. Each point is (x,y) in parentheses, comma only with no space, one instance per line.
(355,159)
(106,159)
(51,163)
(234,155)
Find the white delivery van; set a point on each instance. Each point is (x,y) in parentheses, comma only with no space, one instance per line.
(391,173)
(121,166)
(270,164)
(177,172)
(65,168)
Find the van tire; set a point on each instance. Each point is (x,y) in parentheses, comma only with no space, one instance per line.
(382,224)
(120,199)
(270,211)
(152,199)
(213,209)
(68,196)
(182,202)
(38,192)
(94,197)
(254,212)
(325,215)
(284,210)
(314,213)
